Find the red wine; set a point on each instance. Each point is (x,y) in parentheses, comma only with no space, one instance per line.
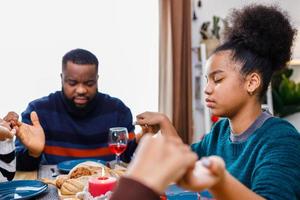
(117,148)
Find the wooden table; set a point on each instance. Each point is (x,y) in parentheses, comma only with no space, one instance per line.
(20,175)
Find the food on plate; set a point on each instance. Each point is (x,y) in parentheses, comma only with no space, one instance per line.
(80,171)
(60,180)
(71,186)
(78,177)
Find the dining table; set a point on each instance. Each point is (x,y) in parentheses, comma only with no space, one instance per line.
(173,192)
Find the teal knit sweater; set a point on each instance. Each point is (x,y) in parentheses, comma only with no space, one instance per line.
(268,162)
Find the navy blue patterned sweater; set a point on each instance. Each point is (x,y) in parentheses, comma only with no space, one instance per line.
(75,134)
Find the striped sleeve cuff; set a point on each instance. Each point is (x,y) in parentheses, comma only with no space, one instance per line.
(7,146)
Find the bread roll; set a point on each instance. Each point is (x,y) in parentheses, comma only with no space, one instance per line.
(60,180)
(71,187)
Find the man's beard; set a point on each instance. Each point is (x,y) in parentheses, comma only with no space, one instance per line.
(79,110)
(70,102)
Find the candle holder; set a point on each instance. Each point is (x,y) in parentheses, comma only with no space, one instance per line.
(101,185)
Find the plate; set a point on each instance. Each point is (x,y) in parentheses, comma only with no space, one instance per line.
(66,166)
(174,192)
(21,189)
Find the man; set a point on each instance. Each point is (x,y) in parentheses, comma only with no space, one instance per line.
(72,123)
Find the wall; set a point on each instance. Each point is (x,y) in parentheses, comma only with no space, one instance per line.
(36,34)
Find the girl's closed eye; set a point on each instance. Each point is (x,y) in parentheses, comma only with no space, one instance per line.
(217,79)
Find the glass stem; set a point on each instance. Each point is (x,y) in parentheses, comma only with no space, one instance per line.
(118,159)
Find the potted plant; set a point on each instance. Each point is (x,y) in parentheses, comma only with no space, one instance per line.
(211,38)
(286,93)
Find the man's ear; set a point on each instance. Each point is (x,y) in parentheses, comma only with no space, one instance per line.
(97,81)
(61,78)
(253,83)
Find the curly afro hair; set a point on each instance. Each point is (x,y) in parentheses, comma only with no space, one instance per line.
(261,38)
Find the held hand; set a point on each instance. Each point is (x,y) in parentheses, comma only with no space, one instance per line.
(5,131)
(159,162)
(146,130)
(12,118)
(32,136)
(151,119)
(156,121)
(149,122)
(208,173)
(150,128)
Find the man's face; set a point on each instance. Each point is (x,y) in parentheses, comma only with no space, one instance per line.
(79,83)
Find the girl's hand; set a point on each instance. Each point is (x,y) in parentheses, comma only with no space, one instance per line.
(159,162)
(207,173)
(151,118)
(153,121)
(146,129)
(157,121)
(150,128)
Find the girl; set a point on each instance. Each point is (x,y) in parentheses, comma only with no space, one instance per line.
(261,152)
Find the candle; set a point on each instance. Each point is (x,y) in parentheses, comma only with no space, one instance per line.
(101,185)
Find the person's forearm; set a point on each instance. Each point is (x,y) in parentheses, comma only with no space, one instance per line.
(230,188)
(130,189)
(167,127)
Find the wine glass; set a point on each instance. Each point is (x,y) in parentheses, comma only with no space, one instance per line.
(117,141)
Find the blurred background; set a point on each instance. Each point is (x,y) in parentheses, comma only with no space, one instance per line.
(151,54)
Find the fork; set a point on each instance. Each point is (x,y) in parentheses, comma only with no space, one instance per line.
(54,173)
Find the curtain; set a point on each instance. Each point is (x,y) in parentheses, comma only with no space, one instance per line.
(177,15)
(165,60)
